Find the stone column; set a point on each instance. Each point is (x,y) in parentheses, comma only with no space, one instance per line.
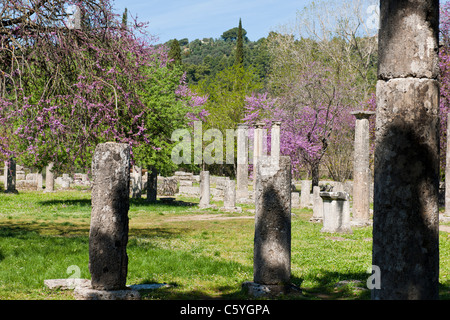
(317,205)
(447,171)
(229,194)
(39,182)
(242,162)
(406,178)
(108,236)
(305,195)
(336,212)
(10,176)
(49,178)
(136,182)
(152,185)
(361,169)
(272,242)
(205,192)
(258,146)
(295,200)
(275,141)
(229,197)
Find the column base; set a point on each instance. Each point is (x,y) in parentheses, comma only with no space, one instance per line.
(343,229)
(83,293)
(360,223)
(231,209)
(207,206)
(316,219)
(258,290)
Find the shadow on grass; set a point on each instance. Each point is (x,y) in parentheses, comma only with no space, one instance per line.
(42,229)
(67,202)
(326,290)
(332,285)
(161,202)
(142,202)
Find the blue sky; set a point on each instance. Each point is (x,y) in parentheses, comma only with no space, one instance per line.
(198,19)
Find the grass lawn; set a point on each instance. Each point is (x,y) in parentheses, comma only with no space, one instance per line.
(201,253)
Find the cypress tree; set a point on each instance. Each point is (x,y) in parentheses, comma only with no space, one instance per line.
(239,46)
(175,52)
(125,18)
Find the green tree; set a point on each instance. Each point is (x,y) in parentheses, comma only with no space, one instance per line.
(227,92)
(175,52)
(168,113)
(239,46)
(232,34)
(125,18)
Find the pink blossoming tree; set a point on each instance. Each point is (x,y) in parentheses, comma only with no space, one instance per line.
(70,81)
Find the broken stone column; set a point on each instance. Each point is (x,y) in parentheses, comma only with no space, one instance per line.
(39,181)
(229,197)
(317,206)
(305,194)
(108,236)
(49,178)
(361,169)
(336,212)
(205,192)
(406,177)
(295,200)
(272,242)
(10,176)
(242,162)
(136,182)
(152,185)
(275,142)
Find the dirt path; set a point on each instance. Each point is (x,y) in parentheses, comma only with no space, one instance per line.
(444,228)
(200,217)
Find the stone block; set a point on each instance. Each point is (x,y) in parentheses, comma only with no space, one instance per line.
(408,39)
(336,212)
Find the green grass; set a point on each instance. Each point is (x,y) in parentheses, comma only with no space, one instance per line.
(42,235)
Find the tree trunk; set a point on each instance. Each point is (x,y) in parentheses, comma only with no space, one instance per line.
(315,174)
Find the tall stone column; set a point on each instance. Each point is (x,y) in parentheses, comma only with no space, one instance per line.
(275,141)
(258,146)
(272,243)
(361,169)
(406,217)
(108,237)
(242,162)
(49,178)
(10,176)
